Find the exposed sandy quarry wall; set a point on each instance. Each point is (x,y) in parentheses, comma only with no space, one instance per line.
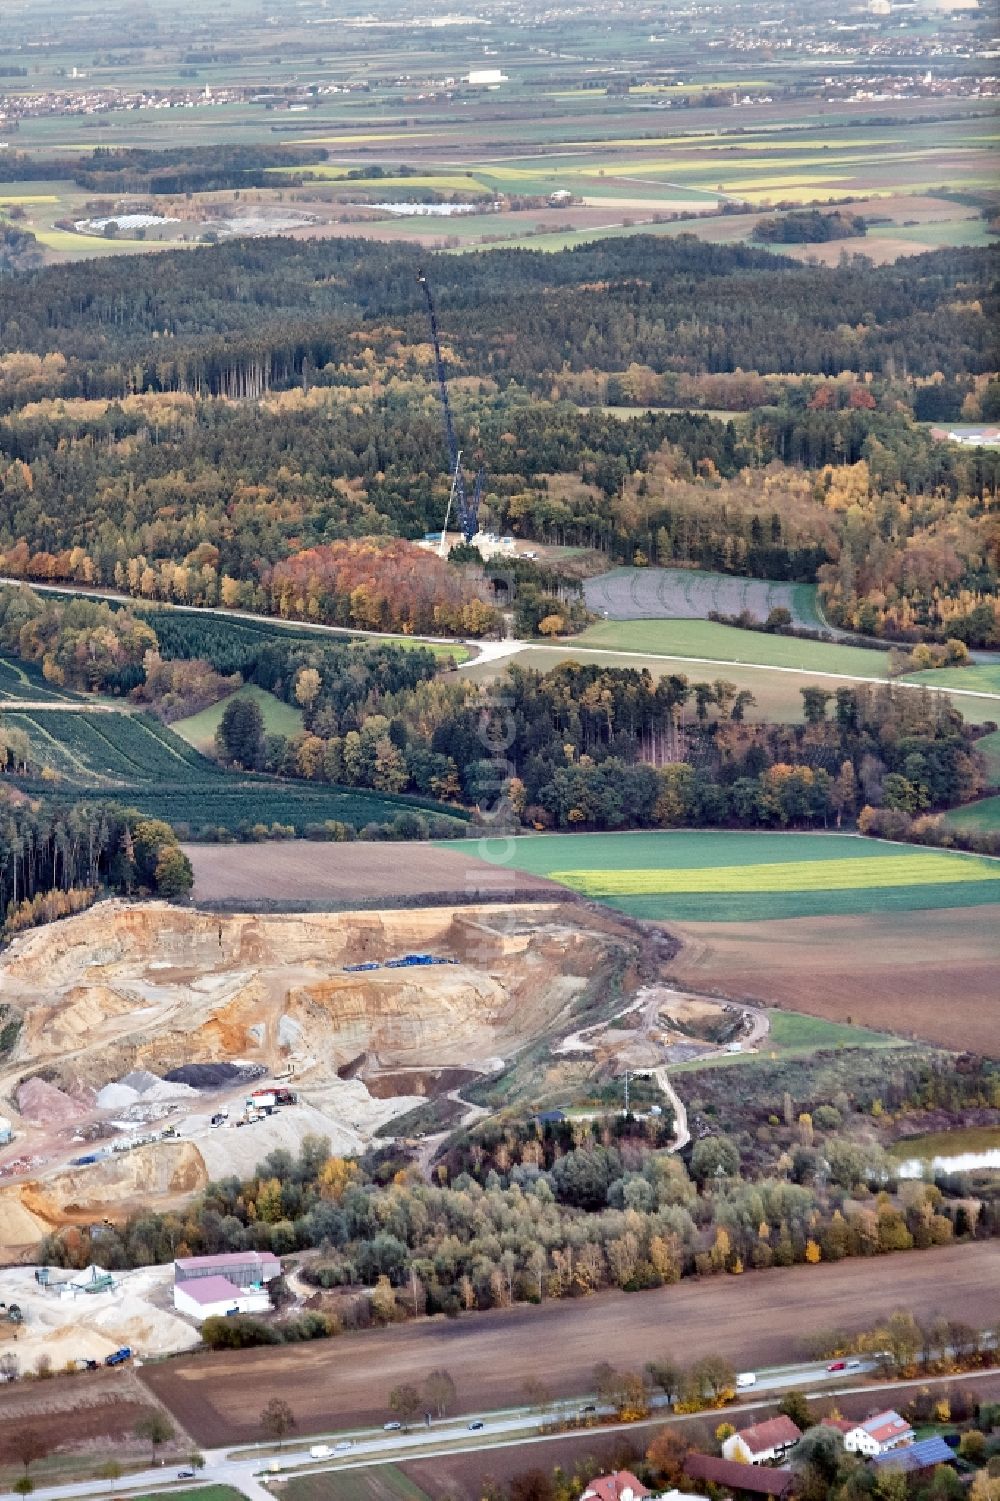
(162,1174)
(129,992)
(153,986)
(117,932)
(164,1171)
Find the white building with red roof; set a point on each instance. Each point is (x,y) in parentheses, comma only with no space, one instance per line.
(879,1434)
(217,1297)
(621,1486)
(763,1443)
(233,1282)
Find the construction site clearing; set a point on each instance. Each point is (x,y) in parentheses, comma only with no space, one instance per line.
(158,1047)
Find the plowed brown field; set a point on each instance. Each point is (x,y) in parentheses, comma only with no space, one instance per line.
(761,1318)
(933,975)
(361,874)
(95,1414)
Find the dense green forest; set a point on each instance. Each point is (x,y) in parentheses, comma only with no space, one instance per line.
(56,859)
(586,746)
(668,303)
(232,424)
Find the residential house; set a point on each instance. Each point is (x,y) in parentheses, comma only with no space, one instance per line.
(621,1486)
(879,1434)
(741,1479)
(763,1443)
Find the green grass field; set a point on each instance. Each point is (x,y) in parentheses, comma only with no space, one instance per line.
(710,876)
(724,643)
(382,1483)
(792,1032)
(979,677)
(989,748)
(982,816)
(198,1493)
(794,1035)
(279,718)
(777,694)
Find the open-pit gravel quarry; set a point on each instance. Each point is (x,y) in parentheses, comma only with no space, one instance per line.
(139,1023)
(143,1030)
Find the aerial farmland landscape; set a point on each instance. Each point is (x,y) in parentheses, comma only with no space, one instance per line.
(499,751)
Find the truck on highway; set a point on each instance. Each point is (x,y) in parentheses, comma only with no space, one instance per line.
(320,1451)
(745,1380)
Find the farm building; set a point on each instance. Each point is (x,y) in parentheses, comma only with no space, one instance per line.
(763,1443)
(215,1297)
(741,1479)
(244,1269)
(879,1434)
(623,1486)
(925,1454)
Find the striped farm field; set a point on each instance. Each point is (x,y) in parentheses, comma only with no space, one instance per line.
(852,874)
(712,876)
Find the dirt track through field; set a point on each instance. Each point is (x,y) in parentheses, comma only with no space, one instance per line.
(758,1319)
(931,974)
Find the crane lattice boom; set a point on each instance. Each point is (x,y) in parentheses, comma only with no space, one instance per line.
(467,508)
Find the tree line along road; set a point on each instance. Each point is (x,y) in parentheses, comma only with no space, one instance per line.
(757,1319)
(487,651)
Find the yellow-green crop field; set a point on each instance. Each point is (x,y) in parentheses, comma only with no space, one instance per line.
(853,874)
(722,876)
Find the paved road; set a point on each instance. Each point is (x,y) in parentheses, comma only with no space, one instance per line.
(244,1469)
(758,1319)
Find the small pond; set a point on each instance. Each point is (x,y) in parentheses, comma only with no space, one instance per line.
(964,1151)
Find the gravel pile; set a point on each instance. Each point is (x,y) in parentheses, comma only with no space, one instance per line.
(141,1087)
(114,1096)
(140,1079)
(43,1104)
(215,1075)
